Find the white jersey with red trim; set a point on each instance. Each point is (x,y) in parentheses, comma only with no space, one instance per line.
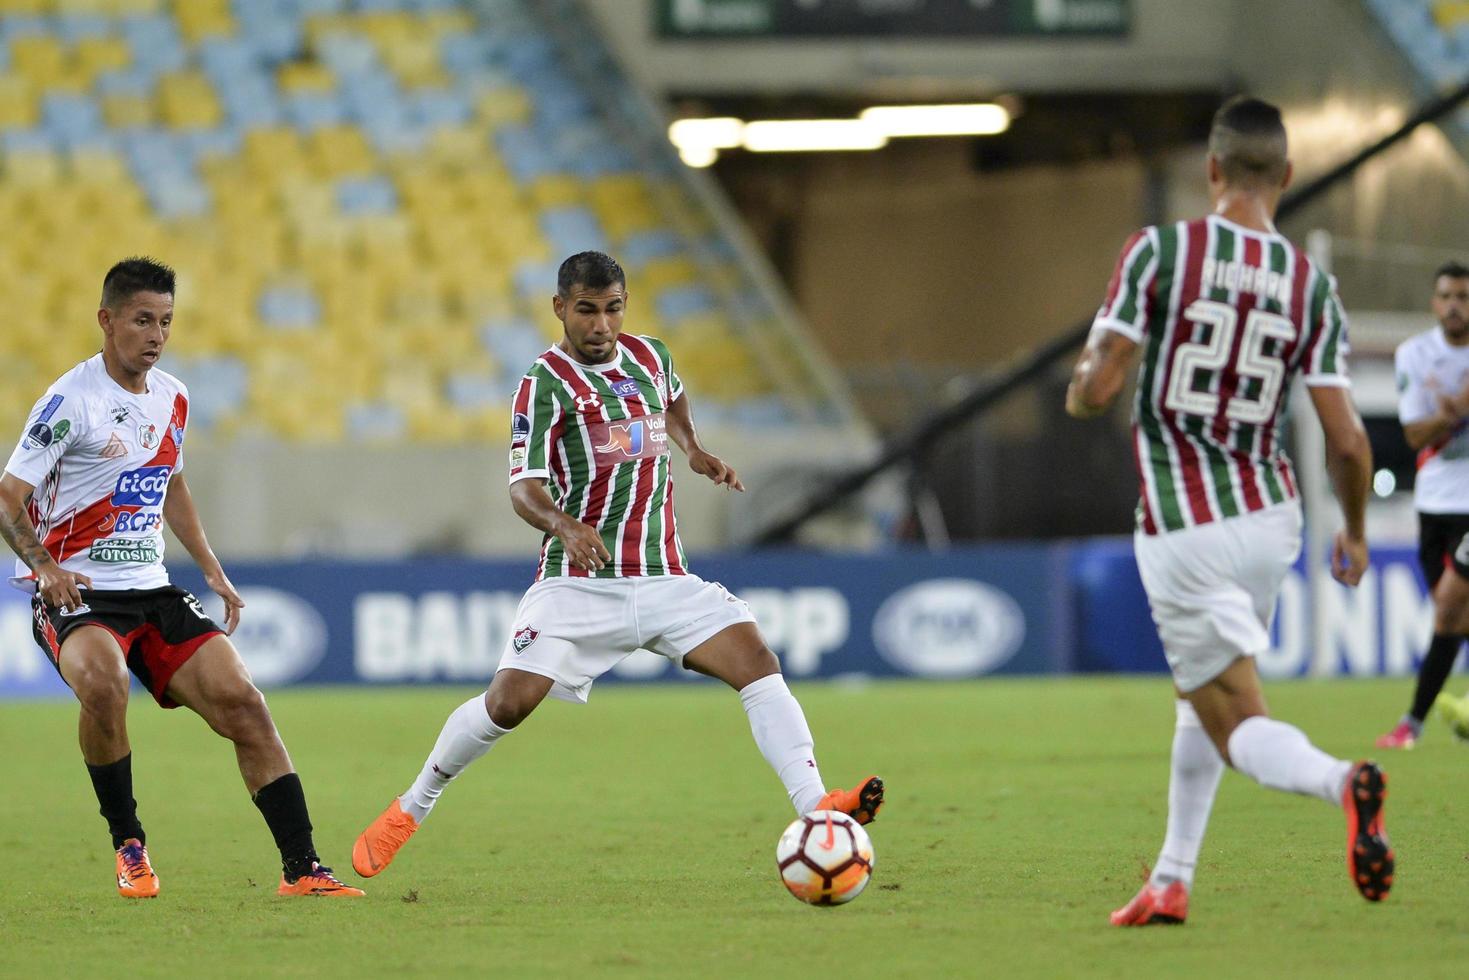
(100,458)
(1429,367)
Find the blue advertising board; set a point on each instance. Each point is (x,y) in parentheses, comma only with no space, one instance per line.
(966,612)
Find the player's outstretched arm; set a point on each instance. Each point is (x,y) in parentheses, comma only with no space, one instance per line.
(533,504)
(701,461)
(1349,464)
(1100,373)
(56,586)
(183,519)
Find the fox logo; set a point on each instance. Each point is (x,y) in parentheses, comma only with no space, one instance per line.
(524,638)
(626,439)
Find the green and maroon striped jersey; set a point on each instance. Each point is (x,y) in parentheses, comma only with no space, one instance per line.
(1226,317)
(597,433)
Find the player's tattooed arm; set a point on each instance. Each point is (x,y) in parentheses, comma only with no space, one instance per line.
(1100,373)
(533,504)
(55,585)
(701,461)
(15,524)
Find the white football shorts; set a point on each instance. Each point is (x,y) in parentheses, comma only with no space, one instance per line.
(574,630)
(1212,587)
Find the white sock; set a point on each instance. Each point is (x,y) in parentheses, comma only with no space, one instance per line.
(1280,756)
(468,734)
(1192,780)
(780,729)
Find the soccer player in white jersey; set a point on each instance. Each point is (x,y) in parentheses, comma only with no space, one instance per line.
(83,501)
(591,468)
(1223,312)
(1433,406)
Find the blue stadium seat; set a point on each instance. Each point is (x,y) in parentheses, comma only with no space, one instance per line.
(516,343)
(376,421)
(289,307)
(310,111)
(645,246)
(218,386)
(70,118)
(72,28)
(366,195)
(476,392)
(439,107)
(679,302)
(573,229)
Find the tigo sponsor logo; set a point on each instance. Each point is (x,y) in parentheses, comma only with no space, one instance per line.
(142,487)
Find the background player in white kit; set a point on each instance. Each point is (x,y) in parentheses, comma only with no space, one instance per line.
(83,500)
(1225,311)
(1433,406)
(592,421)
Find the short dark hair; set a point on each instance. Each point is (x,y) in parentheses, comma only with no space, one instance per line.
(1453,268)
(594,270)
(1248,139)
(136,274)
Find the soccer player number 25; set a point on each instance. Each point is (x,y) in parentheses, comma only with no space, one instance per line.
(1252,362)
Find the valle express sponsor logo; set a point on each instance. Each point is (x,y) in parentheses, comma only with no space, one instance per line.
(948,627)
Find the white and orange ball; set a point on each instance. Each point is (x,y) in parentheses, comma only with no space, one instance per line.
(825,858)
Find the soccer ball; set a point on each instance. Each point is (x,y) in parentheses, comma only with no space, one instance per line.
(825,858)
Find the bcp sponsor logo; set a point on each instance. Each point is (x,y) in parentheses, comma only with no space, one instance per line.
(142,487)
(948,627)
(137,522)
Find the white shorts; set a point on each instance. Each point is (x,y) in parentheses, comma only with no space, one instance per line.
(574,630)
(1212,588)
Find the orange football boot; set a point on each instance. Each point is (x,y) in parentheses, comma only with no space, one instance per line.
(1154,906)
(861,803)
(319,881)
(377,845)
(135,877)
(1370,859)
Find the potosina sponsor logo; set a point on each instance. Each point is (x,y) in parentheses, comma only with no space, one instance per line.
(948,627)
(120,551)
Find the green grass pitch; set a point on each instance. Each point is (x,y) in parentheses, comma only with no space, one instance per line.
(635,837)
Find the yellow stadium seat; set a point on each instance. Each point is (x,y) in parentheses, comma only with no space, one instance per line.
(39,58)
(340,151)
(122,111)
(1449,14)
(18,105)
(187,101)
(271,152)
(95,55)
(31,7)
(124,8)
(557,191)
(30,168)
(306,77)
(498,107)
(98,168)
(199,20)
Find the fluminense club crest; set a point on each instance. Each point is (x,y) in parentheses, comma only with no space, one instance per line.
(524,638)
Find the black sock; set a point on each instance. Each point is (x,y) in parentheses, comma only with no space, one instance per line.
(283,804)
(113,784)
(1442,653)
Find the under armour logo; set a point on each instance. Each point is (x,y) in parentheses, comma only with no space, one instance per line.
(589,403)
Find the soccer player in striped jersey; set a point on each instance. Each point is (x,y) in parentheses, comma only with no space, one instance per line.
(1433,406)
(591,468)
(1224,311)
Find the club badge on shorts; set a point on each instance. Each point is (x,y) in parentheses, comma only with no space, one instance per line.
(524,638)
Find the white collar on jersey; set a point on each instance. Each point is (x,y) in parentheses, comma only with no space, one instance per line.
(611,365)
(1241,229)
